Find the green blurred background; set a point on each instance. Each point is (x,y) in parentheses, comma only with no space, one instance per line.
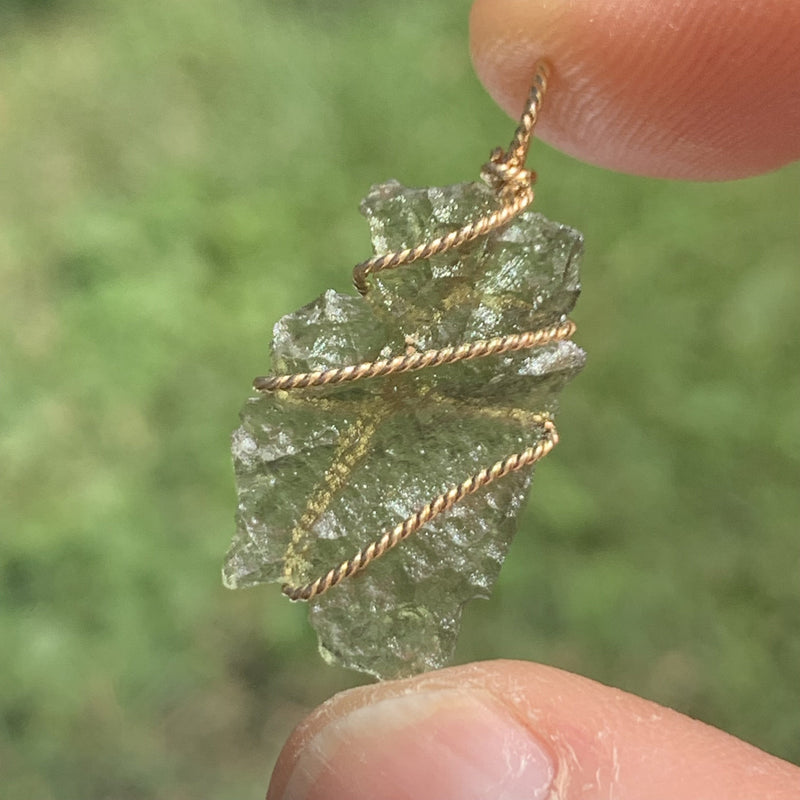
(176,175)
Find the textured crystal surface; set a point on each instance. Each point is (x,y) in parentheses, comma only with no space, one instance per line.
(322,472)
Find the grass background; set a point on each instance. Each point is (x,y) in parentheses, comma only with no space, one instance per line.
(176,175)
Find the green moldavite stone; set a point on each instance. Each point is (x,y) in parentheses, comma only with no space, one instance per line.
(322,472)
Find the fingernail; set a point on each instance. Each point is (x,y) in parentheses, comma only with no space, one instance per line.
(439,745)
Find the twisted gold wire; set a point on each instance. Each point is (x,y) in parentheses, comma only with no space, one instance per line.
(506,174)
(439,505)
(415,361)
(518,149)
(452,240)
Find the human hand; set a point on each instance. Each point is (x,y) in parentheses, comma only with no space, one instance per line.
(701,90)
(503,730)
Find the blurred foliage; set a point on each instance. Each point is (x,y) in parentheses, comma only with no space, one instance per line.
(175,176)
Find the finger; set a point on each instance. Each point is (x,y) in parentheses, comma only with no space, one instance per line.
(510,729)
(701,89)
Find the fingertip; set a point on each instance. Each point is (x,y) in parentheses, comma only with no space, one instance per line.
(698,90)
(514,729)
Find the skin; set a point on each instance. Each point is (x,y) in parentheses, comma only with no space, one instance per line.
(692,89)
(689,89)
(604,743)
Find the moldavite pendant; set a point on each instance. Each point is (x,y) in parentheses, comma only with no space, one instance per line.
(380,472)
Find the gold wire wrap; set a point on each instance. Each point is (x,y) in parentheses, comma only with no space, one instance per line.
(451,241)
(412,524)
(414,361)
(506,174)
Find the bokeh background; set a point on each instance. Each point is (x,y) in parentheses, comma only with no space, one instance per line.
(176,175)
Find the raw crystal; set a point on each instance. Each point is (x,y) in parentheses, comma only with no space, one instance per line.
(322,472)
